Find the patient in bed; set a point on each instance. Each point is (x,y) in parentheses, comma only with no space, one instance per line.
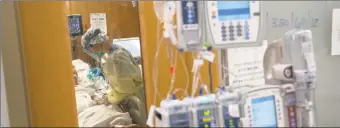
(92,109)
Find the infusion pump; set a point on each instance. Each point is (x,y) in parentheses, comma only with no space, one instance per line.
(233,22)
(188,25)
(173,113)
(262,106)
(227,23)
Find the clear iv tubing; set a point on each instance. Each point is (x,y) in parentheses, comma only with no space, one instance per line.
(179,89)
(187,80)
(195,81)
(186,73)
(173,76)
(200,78)
(155,65)
(196,78)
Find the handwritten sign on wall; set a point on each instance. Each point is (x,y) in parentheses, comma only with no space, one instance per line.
(245,65)
(305,20)
(98,20)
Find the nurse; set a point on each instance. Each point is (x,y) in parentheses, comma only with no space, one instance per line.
(121,71)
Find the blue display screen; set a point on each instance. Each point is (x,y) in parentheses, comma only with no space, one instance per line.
(264,112)
(189,12)
(75,25)
(233,10)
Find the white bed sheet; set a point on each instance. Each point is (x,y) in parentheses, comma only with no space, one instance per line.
(90,114)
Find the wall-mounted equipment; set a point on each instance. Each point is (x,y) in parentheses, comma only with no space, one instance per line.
(75,26)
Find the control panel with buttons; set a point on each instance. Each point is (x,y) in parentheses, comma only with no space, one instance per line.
(233,22)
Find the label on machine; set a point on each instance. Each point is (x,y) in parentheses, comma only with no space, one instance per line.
(292,116)
(291,110)
(206,118)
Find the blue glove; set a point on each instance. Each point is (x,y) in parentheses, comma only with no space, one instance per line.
(94,73)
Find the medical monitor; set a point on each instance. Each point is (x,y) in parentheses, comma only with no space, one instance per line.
(75,25)
(264,112)
(263,107)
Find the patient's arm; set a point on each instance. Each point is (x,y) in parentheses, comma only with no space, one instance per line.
(99,102)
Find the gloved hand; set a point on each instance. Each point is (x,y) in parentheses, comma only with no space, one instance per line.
(94,73)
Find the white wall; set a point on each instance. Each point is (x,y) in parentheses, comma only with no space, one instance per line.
(4,107)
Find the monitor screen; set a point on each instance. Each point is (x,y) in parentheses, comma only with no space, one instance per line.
(189,12)
(233,10)
(75,27)
(264,112)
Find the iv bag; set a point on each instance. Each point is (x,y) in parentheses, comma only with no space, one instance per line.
(158,8)
(165,10)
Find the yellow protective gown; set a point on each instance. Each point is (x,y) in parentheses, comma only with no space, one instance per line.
(124,75)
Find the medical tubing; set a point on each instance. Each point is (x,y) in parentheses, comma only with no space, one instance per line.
(193,85)
(173,76)
(187,84)
(195,81)
(186,73)
(206,40)
(155,73)
(210,77)
(200,78)
(196,78)
(179,89)
(155,65)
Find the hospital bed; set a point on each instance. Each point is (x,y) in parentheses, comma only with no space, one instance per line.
(128,113)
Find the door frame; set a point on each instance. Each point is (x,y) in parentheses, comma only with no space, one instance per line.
(13,64)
